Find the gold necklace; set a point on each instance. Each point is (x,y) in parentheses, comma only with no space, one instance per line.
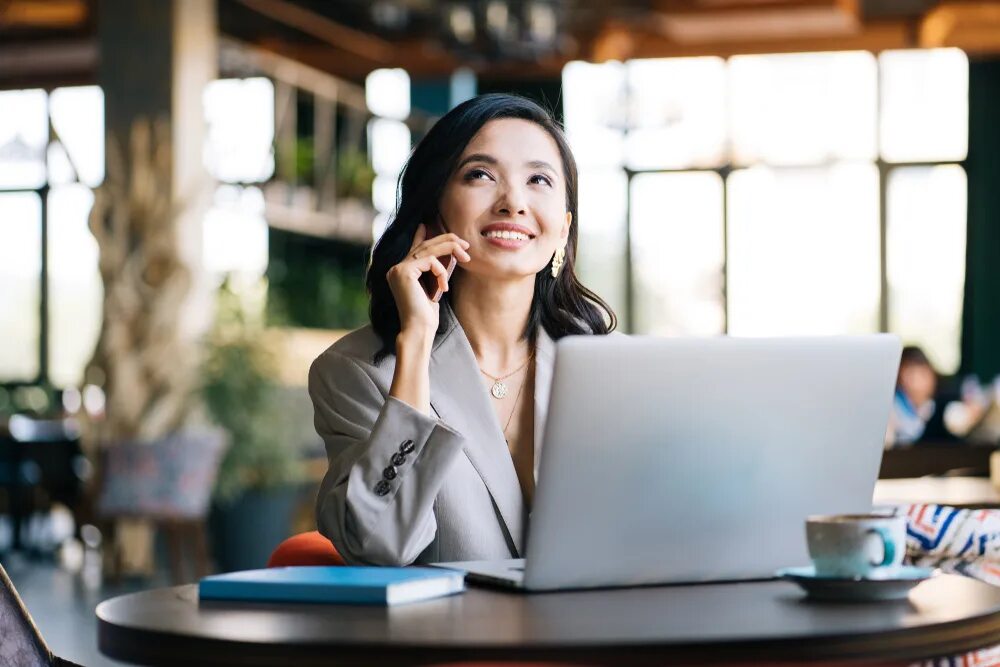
(512,411)
(499,388)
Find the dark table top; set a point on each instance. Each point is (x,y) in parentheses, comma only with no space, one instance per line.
(722,623)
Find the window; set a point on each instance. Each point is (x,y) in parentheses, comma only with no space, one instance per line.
(926,229)
(20,299)
(754,190)
(678,252)
(45,193)
(803,250)
(239,115)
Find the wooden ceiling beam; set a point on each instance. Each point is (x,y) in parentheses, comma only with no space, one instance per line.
(351,66)
(420,59)
(33,14)
(622,42)
(693,21)
(324,29)
(971,26)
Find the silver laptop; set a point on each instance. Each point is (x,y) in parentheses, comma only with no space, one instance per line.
(692,460)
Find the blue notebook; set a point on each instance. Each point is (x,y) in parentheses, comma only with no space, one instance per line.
(337,584)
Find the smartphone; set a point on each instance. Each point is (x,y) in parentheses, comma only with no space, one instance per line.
(428,279)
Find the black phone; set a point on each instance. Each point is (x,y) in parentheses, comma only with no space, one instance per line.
(427,278)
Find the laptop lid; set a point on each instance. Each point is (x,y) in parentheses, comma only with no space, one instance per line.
(678,460)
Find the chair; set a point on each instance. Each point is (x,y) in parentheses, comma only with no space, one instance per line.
(22,645)
(167,482)
(305,549)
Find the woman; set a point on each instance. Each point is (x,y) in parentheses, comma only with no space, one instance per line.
(432,415)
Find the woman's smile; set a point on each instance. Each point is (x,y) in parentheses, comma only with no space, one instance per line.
(507,235)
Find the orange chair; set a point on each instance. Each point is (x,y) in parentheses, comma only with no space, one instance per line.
(305,549)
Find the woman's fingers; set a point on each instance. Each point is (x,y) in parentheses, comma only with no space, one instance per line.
(442,248)
(437,268)
(414,267)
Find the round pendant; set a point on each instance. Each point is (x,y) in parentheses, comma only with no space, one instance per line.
(499,389)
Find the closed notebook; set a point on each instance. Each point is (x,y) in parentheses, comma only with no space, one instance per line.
(334,584)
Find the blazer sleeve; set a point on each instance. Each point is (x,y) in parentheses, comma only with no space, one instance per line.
(373,510)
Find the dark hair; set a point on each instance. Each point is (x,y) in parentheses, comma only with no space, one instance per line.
(912,355)
(562,305)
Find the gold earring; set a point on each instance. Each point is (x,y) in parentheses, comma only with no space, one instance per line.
(557,261)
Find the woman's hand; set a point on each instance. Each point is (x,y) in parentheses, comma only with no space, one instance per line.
(417,312)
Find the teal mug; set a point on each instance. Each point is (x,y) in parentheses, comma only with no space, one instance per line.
(856,546)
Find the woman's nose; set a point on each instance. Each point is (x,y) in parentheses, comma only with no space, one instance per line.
(511,201)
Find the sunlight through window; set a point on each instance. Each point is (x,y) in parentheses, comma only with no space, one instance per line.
(803,251)
(925,234)
(678,253)
(803,108)
(240,118)
(24,134)
(20,265)
(75,287)
(678,113)
(925,105)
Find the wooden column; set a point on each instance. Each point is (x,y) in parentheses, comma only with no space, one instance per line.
(155,61)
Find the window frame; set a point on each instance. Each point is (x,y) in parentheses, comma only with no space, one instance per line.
(883,167)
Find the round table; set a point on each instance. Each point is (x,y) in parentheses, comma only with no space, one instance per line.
(721,623)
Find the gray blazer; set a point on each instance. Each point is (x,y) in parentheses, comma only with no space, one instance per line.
(455,494)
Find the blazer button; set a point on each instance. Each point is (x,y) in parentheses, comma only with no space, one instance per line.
(398,459)
(389,473)
(382,488)
(407,447)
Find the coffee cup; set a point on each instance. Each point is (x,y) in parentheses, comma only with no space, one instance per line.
(856,546)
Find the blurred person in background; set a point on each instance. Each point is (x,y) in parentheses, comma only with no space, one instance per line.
(976,416)
(913,405)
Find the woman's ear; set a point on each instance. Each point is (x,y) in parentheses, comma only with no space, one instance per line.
(569,221)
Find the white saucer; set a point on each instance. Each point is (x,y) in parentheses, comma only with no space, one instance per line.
(894,586)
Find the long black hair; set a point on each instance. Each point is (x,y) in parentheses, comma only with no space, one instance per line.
(562,305)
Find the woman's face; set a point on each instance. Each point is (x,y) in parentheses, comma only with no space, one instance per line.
(509,180)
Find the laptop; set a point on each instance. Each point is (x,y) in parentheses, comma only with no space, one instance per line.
(698,459)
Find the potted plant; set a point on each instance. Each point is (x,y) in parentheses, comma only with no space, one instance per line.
(260,477)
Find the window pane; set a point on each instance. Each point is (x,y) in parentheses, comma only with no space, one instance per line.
(78,119)
(235,232)
(23,135)
(803,108)
(601,247)
(925,105)
(75,288)
(390,141)
(803,251)
(596,111)
(925,262)
(387,93)
(678,113)
(677,253)
(240,117)
(20,271)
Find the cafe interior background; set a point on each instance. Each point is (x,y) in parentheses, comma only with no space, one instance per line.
(189,190)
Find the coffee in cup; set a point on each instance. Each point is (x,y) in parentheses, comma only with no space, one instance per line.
(856,546)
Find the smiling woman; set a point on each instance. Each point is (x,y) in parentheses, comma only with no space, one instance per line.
(432,415)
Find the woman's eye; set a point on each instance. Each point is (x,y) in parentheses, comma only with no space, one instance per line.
(476,174)
(544,179)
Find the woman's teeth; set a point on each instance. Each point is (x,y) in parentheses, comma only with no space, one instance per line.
(517,236)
